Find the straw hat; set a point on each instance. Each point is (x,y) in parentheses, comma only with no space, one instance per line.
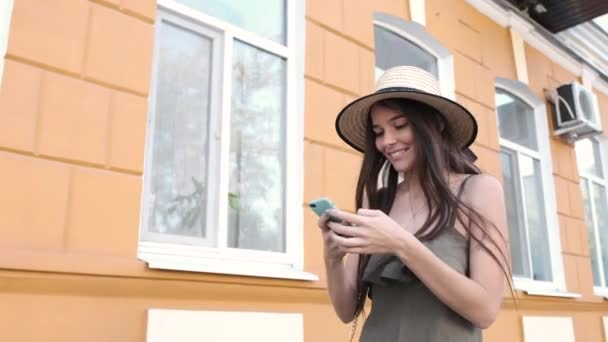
(405,82)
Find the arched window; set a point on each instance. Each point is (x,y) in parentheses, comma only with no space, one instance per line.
(593,173)
(400,42)
(529,192)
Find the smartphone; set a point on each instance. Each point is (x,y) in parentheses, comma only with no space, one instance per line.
(321,205)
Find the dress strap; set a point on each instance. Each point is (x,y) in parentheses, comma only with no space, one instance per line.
(461,189)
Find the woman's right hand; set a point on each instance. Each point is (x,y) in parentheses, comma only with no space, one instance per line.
(333,251)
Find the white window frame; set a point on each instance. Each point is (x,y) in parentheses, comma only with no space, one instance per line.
(417,34)
(557,287)
(603,146)
(221,259)
(6,11)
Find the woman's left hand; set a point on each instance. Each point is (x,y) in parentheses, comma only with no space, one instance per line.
(369,232)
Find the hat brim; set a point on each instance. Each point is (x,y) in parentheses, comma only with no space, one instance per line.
(351,122)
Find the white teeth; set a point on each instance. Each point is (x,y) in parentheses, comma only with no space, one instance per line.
(398,152)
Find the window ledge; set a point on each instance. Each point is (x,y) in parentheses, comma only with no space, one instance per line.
(553,293)
(228,267)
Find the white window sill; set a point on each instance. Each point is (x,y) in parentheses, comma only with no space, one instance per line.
(542,288)
(601,292)
(242,263)
(552,293)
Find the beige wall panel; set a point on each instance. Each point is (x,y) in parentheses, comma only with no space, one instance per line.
(484,81)
(562,195)
(507,327)
(113,56)
(74,318)
(539,68)
(314,164)
(564,160)
(326,12)
(74,119)
(341,66)
(19,100)
(145,8)
(33,202)
(489,160)
(464,75)
(588,327)
(562,76)
(314,50)
(322,107)
(570,235)
(496,49)
(575,195)
(585,279)
(104,213)
(313,245)
(71,319)
(367,65)
(341,173)
(50,32)
(571,273)
(128,131)
(397,8)
(602,100)
(358,19)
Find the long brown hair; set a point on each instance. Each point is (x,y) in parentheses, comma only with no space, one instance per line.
(435,154)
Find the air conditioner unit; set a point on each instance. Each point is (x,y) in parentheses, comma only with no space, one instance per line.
(576,112)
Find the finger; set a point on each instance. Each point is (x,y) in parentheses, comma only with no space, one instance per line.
(322,222)
(344,229)
(356,250)
(367,212)
(346,216)
(349,242)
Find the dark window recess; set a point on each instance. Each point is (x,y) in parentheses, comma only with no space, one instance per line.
(558,15)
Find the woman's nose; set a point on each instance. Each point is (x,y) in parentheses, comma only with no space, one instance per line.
(389,138)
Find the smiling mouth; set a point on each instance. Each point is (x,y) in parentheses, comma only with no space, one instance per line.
(398,153)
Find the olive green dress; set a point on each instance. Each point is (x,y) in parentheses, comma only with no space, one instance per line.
(404,309)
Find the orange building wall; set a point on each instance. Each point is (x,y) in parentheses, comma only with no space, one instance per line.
(73,107)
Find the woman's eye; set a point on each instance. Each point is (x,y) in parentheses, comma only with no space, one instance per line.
(401,125)
(377,134)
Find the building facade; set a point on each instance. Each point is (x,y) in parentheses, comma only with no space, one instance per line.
(157,158)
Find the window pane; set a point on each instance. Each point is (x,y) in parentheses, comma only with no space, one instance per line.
(256,214)
(588,157)
(179,160)
(595,257)
(263,17)
(516,120)
(393,50)
(601,214)
(517,232)
(535,218)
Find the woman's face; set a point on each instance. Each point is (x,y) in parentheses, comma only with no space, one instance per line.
(394,137)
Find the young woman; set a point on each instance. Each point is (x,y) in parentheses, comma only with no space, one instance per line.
(427,243)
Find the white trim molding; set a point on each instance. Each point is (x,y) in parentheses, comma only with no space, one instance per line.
(548,328)
(417,11)
(506,17)
(6,11)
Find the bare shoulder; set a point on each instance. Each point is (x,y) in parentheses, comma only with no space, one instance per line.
(483,190)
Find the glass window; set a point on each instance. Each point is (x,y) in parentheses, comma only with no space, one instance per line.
(523,186)
(263,17)
(516,120)
(588,157)
(394,50)
(594,189)
(216,165)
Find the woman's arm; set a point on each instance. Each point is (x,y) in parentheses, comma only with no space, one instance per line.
(477,298)
(342,285)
